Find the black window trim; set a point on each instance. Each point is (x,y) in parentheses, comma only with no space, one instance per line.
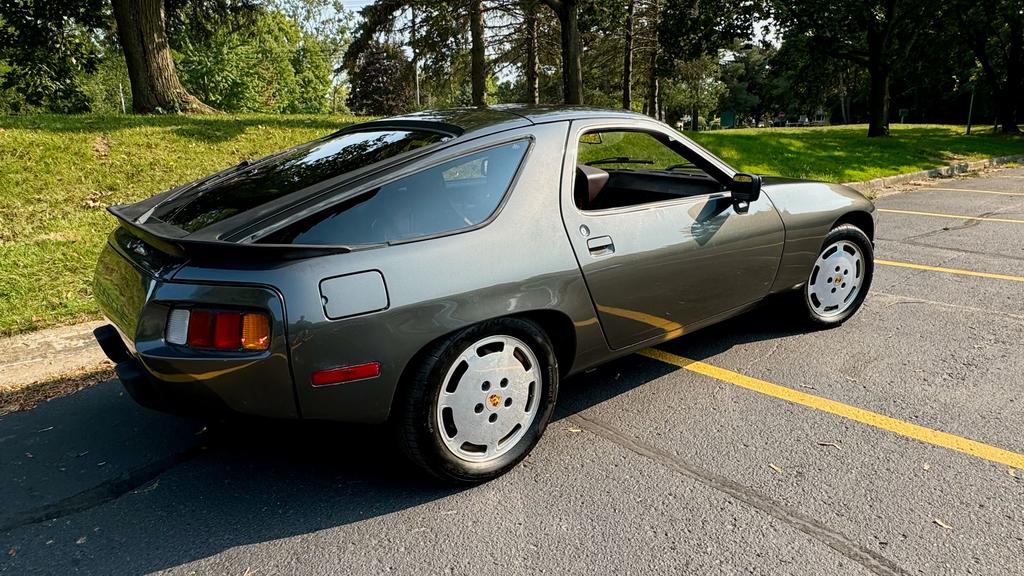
(235,226)
(337,195)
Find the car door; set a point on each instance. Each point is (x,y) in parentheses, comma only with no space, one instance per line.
(660,263)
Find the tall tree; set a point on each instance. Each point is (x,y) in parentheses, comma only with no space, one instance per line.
(877,35)
(994,32)
(143,37)
(627,58)
(478,52)
(572,70)
(532,64)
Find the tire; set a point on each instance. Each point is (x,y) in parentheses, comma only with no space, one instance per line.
(839,279)
(477,402)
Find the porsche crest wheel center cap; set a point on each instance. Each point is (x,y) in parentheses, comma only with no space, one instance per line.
(494,400)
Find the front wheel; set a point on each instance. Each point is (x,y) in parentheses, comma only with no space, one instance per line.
(840,278)
(478,401)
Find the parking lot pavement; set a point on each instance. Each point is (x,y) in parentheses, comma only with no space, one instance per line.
(649,467)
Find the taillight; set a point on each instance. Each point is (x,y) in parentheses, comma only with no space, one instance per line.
(218,329)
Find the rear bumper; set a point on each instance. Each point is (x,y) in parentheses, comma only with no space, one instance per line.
(184,398)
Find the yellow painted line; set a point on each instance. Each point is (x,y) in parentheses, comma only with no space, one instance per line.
(970,190)
(959,271)
(671,328)
(874,419)
(954,216)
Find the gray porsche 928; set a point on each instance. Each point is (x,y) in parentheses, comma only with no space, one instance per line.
(442,271)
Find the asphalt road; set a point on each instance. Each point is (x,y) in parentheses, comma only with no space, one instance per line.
(648,469)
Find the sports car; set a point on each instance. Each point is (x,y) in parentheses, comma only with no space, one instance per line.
(442,272)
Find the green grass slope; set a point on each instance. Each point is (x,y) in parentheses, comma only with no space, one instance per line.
(58,174)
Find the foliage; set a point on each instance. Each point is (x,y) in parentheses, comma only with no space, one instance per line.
(380,81)
(695,86)
(691,29)
(267,65)
(994,31)
(47,49)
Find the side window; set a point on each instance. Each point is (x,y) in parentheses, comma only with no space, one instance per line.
(619,168)
(451,196)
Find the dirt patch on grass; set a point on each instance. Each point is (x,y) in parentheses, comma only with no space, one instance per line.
(18,398)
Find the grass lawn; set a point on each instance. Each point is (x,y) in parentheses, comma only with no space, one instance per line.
(58,173)
(845,154)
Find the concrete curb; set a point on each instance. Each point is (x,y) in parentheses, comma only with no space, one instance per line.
(50,353)
(953,169)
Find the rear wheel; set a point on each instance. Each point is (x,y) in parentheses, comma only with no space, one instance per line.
(478,401)
(840,278)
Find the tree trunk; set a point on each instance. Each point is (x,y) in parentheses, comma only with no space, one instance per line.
(532,57)
(572,70)
(878,91)
(878,101)
(413,44)
(478,62)
(652,86)
(627,59)
(155,84)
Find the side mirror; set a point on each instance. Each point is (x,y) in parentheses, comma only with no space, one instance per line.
(745,187)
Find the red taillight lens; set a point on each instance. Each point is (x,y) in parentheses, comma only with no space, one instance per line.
(227,331)
(224,330)
(200,329)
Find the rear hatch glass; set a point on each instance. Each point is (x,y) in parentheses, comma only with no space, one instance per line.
(288,172)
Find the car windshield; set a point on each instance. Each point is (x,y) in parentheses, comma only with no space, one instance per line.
(291,171)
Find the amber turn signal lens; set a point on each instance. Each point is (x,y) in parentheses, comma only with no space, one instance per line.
(255,331)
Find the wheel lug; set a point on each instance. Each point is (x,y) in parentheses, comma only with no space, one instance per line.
(492,418)
(486,386)
(504,383)
(508,402)
(479,408)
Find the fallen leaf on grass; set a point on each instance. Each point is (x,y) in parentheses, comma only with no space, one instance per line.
(942,524)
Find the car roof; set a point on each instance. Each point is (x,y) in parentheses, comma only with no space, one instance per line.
(478,121)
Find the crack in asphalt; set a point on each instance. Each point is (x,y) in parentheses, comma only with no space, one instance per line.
(871,560)
(963,251)
(102,493)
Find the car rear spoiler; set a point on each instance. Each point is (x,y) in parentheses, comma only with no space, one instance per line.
(175,242)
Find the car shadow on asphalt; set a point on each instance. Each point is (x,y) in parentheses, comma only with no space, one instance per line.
(106,486)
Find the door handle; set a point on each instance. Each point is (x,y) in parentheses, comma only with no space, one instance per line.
(601,245)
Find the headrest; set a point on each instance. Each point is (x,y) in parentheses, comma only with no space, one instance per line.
(589,182)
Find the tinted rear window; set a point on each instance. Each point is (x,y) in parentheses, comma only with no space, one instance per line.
(455,195)
(298,168)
